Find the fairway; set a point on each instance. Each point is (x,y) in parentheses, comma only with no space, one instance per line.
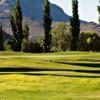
(50,76)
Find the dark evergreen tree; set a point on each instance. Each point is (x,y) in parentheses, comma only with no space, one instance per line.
(25,31)
(1,39)
(47,27)
(98,7)
(25,42)
(75,25)
(16,24)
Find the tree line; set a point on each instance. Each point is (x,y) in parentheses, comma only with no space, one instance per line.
(53,38)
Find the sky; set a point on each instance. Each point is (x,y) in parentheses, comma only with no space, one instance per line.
(87,8)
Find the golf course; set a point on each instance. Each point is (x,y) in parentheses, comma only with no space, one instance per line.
(49,50)
(49,76)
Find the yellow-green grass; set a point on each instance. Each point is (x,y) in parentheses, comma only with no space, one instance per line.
(66,60)
(32,87)
(53,73)
(60,76)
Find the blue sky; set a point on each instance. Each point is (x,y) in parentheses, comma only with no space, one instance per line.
(87,8)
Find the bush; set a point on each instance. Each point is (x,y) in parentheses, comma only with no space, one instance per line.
(31,47)
(89,41)
(8,45)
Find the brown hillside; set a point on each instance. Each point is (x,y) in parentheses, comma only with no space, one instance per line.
(36,26)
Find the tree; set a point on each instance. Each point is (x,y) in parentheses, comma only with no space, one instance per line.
(61,37)
(25,31)
(75,25)
(1,39)
(16,24)
(98,7)
(47,20)
(25,38)
(58,36)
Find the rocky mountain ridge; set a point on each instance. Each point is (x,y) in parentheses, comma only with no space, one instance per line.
(36,26)
(33,8)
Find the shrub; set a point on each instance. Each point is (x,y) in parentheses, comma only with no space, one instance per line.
(9,45)
(31,47)
(89,41)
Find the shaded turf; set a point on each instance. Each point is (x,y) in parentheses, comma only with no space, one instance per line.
(95,65)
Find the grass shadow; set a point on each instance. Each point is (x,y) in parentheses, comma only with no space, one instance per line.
(23,69)
(40,74)
(97,65)
(8,69)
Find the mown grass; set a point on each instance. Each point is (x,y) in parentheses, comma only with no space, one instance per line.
(28,87)
(71,76)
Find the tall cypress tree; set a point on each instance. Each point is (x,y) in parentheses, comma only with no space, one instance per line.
(47,20)
(25,39)
(98,7)
(16,24)
(25,31)
(1,39)
(75,25)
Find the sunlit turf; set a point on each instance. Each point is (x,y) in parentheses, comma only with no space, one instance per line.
(54,73)
(76,76)
(64,60)
(28,87)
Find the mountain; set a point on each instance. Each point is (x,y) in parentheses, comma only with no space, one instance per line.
(91,26)
(36,26)
(33,8)
(6,36)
